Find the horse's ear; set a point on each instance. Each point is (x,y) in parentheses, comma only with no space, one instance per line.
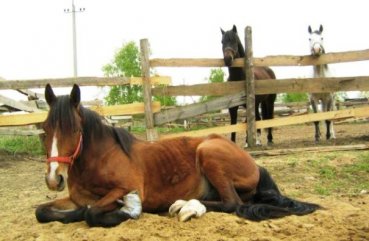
(75,95)
(49,95)
(309,29)
(221,30)
(321,28)
(234,29)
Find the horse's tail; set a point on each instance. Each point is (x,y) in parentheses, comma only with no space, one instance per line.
(269,203)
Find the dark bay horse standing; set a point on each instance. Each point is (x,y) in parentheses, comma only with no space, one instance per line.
(232,49)
(113,176)
(320,71)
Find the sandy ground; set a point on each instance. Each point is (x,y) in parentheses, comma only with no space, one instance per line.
(346,217)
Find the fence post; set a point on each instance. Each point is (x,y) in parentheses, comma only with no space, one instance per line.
(250,89)
(151,133)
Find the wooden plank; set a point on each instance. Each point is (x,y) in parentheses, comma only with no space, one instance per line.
(33,118)
(30,94)
(307,85)
(128,109)
(332,115)
(151,133)
(15,132)
(309,149)
(186,62)
(155,80)
(305,60)
(16,104)
(277,60)
(249,89)
(188,111)
(64,82)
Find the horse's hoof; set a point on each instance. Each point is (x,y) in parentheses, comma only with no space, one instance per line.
(270,143)
(176,207)
(192,208)
(187,209)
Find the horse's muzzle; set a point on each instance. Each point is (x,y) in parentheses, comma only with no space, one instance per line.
(56,183)
(228,60)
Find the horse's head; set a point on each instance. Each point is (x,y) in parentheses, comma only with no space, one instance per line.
(63,135)
(231,46)
(316,41)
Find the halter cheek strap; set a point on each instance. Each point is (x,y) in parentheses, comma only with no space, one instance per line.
(68,159)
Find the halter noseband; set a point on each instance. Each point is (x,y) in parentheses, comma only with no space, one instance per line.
(68,159)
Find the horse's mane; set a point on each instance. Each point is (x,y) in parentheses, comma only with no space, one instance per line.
(93,127)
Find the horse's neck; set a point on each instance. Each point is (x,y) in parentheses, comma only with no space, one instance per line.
(241,50)
(321,70)
(237,73)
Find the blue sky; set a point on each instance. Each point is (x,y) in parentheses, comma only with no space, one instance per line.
(36,36)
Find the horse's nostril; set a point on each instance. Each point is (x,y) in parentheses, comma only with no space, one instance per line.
(61,183)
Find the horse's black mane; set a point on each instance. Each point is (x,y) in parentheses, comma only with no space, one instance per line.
(92,124)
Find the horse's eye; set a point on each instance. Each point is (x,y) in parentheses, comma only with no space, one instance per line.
(309,39)
(321,38)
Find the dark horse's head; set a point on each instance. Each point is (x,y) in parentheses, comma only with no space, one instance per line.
(63,135)
(316,41)
(231,45)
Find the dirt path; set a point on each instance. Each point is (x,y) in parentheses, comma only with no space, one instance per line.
(345,218)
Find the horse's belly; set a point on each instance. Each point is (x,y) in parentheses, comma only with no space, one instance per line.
(161,199)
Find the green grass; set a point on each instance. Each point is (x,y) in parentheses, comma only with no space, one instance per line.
(347,178)
(21,145)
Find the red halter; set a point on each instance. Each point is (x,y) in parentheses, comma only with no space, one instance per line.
(68,159)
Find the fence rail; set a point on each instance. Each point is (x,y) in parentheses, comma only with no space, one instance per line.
(230,91)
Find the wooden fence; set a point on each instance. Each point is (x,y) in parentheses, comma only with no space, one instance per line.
(231,93)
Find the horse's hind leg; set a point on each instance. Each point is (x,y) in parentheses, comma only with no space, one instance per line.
(267,108)
(257,118)
(62,210)
(233,115)
(228,169)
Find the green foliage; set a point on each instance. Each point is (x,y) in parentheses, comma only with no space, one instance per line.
(166,100)
(127,62)
(216,76)
(294,97)
(21,144)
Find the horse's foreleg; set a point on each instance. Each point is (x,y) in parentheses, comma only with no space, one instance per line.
(233,115)
(257,118)
(107,212)
(62,210)
(316,123)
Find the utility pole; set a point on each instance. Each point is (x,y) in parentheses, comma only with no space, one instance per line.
(73,12)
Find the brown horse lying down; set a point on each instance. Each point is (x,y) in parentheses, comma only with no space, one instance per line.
(112,176)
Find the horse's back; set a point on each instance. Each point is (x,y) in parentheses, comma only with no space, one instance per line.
(264,73)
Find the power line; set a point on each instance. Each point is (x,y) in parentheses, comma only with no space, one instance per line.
(73,11)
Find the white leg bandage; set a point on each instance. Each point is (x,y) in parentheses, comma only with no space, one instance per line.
(187,209)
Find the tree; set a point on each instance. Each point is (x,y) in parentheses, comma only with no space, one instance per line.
(216,76)
(127,62)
